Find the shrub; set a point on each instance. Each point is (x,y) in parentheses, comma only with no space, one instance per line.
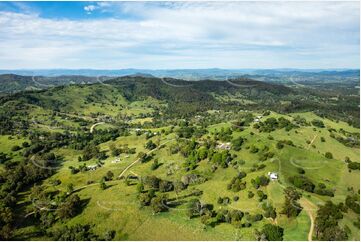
(261,195)
(318,123)
(158,204)
(15,148)
(237,143)
(353,202)
(272,232)
(301,170)
(280,145)
(302,183)
(260,181)
(253,149)
(165,186)
(154,165)
(250,194)
(354,165)
(328,155)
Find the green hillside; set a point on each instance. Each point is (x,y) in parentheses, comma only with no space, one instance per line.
(142,158)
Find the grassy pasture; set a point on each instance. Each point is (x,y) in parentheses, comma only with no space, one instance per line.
(117,206)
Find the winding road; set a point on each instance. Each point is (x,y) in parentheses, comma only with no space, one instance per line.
(310,208)
(94,125)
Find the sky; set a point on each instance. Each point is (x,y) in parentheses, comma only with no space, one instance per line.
(179,35)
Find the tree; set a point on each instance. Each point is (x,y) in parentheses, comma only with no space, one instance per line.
(353,202)
(301,170)
(15,148)
(90,151)
(140,187)
(6,216)
(280,145)
(154,165)
(328,155)
(145,198)
(109,235)
(37,192)
(158,204)
(303,183)
(354,165)
(47,218)
(291,207)
(237,143)
(152,182)
(109,176)
(165,186)
(261,195)
(70,188)
(150,145)
(6,232)
(269,211)
(260,181)
(272,232)
(69,208)
(217,158)
(102,184)
(143,157)
(326,223)
(114,150)
(78,232)
(202,153)
(194,208)
(253,149)
(318,123)
(178,187)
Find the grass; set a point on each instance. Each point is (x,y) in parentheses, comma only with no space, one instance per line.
(117,207)
(295,229)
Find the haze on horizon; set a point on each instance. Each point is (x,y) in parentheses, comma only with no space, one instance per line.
(179,35)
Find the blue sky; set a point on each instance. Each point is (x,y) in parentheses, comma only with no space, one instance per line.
(175,35)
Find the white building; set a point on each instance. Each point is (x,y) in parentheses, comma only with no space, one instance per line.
(224,146)
(273,175)
(116,160)
(92,167)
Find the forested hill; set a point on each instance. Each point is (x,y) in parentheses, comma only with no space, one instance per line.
(180,90)
(181,98)
(11,83)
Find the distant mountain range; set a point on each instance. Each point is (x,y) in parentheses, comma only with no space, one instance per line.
(12,81)
(186,74)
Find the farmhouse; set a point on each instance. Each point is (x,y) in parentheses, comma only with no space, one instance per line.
(258,118)
(116,160)
(224,146)
(273,175)
(92,167)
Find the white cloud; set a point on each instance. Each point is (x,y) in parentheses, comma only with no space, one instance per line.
(187,35)
(90,8)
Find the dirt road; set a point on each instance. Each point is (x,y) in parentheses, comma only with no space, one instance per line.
(310,209)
